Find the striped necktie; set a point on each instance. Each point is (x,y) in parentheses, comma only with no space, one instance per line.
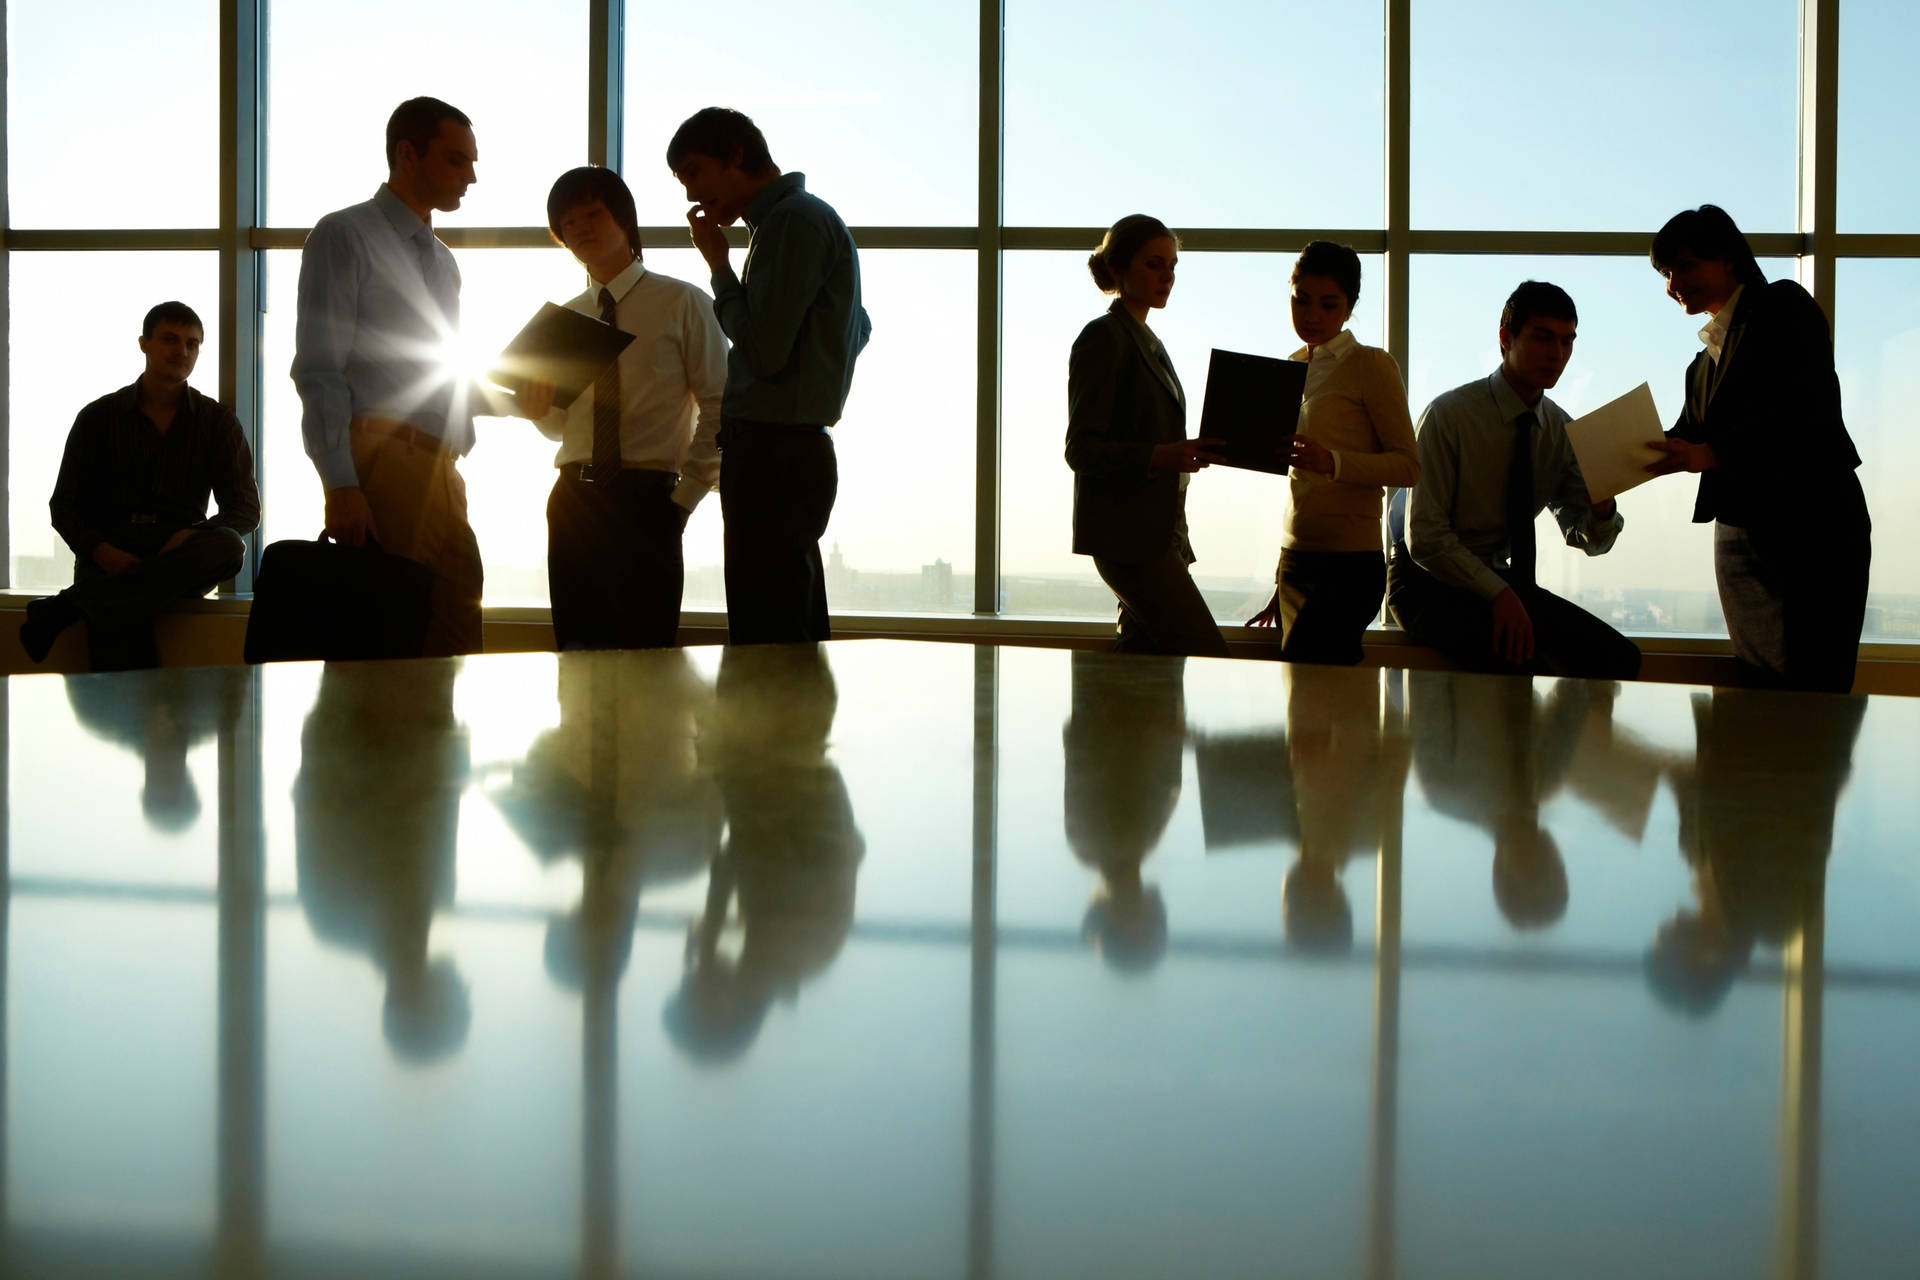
(606,407)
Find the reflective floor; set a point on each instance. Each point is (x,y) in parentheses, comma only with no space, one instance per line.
(900,960)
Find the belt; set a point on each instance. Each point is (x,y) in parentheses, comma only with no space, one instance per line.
(585,473)
(405,432)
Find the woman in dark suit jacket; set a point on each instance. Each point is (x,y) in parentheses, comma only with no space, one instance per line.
(1127,444)
(1762,427)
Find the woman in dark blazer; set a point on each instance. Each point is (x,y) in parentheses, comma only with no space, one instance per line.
(1762,427)
(1127,444)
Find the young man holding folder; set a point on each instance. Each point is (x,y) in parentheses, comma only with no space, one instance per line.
(637,450)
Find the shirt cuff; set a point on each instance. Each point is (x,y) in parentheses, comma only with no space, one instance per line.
(688,493)
(724,280)
(337,470)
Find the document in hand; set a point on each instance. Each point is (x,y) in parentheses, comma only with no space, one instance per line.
(562,346)
(1611,443)
(1253,404)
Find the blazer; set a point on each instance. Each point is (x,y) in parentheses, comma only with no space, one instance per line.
(1121,402)
(1772,414)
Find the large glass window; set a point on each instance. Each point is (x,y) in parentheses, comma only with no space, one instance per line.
(876,102)
(1234,301)
(1212,115)
(128,95)
(336,71)
(1603,117)
(1877,351)
(1878,93)
(75,337)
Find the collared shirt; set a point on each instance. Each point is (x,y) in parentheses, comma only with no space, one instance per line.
(675,368)
(1714,333)
(1456,521)
(1355,406)
(793,313)
(124,481)
(378,311)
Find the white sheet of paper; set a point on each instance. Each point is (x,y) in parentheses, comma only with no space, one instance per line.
(1611,443)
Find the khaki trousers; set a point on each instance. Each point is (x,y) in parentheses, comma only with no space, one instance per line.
(419,507)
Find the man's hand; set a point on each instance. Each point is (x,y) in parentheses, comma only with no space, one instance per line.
(113,559)
(534,399)
(1681,455)
(709,237)
(1512,628)
(176,541)
(349,518)
(1186,455)
(1304,454)
(1269,616)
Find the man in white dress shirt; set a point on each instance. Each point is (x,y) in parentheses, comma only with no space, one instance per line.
(637,449)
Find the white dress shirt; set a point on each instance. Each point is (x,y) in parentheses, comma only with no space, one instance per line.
(672,376)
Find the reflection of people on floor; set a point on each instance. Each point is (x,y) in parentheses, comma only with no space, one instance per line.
(1123,742)
(1489,752)
(168,714)
(376,812)
(1347,773)
(616,784)
(1756,822)
(792,851)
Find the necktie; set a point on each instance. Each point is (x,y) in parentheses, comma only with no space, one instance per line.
(606,408)
(1520,505)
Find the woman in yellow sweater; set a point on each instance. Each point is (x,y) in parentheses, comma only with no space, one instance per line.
(1355,437)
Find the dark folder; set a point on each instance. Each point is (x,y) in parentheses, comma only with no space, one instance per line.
(1246,790)
(562,346)
(1253,405)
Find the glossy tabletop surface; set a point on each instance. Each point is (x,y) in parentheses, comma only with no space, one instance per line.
(909,959)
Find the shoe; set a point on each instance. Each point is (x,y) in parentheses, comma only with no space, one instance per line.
(46,619)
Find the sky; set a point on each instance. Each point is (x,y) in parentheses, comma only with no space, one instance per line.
(1224,115)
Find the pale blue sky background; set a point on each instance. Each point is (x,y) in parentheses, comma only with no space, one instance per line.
(1232,114)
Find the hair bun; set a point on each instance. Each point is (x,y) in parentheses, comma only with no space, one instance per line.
(1102,276)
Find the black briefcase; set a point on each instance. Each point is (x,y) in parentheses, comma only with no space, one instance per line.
(326,600)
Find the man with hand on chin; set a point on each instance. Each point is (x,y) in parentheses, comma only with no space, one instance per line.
(1493,453)
(637,449)
(131,501)
(794,317)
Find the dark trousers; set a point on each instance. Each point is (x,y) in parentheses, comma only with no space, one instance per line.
(1328,599)
(1794,599)
(614,572)
(119,608)
(1161,610)
(1567,640)
(777,486)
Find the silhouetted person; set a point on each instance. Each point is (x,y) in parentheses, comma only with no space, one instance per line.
(1124,742)
(794,317)
(1493,454)
(131,500)
(384,418)
(1489,753)
(616,784)
(161,720)
(1354,436)
(792,853)
(376,813)
(1756,822)
(1347,772)
(1761,424)
(1128,448)
(638,448)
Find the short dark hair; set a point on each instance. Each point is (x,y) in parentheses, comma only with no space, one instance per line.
(1709,233)
(1536,298)
(170,313)
(1337,262)
(418,120)
(719,132)
(585,185)
(1123,240)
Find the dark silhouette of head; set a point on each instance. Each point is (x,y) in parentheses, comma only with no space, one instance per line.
(1315,916)
(1529,877)
(1707,233)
